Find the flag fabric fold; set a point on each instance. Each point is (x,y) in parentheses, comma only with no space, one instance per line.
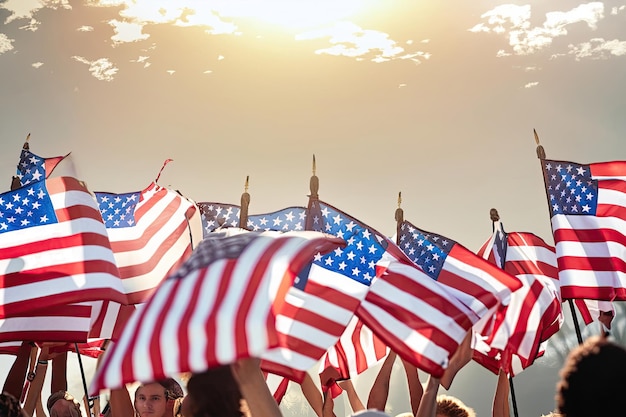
(325,297)
(588,217)
(219,306)
(150,235)
(534,313)
(33,168)
(54,249)
(479,284)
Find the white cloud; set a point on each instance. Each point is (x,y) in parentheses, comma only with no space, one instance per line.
(598,48)
(102,68)
(616,10)
(37,64)
(532,84)
(142,60)
(127,32)
(6,44)
(85,28)
(170,72)
(25,9)
(523,38)
(350,40)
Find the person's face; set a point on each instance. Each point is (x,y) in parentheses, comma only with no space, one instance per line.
(64,408)
(150,400)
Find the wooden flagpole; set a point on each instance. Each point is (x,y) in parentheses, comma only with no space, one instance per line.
(541,154)
(245,203)
(313,204)
(15,181)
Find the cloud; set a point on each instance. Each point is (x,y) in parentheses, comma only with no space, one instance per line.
(25,9)
(85,28)
(37,64)
(514,22)
(6,44)
(532,84)
(352,41)
(598,48)
(102,68)
(127,32)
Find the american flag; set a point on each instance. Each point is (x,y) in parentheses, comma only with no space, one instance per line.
(479,284)
(590,311)
(321,303)
(218,307)
(33,168)
(150,235)
(534,313)
(588,213)
(357,350)
(61,323)
(414,315)
(218,215)
(54,249)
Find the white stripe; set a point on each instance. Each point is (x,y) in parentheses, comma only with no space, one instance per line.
(578,222)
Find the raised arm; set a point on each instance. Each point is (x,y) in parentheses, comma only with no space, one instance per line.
(500,406)
(380,389)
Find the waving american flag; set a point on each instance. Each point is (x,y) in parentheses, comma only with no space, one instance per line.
(588,212)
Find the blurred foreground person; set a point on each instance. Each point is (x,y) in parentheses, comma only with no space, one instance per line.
(62,404)
(10,406)
(593,380)
(236,390)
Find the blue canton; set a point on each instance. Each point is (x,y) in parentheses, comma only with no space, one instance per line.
(428,250)
(364,246)
(571,190)
(28,206)
(215,215)
(118,210)
(31,168)
(289,219)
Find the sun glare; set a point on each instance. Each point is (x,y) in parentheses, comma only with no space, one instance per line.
(295,14)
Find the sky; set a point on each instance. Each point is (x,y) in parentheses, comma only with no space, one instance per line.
(434,100)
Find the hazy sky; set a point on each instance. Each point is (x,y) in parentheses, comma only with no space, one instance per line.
(437,100)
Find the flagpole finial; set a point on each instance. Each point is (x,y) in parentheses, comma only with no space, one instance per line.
(493,214)
(245,203)
(26,145)
(541,153)
(399,216)
(314,183)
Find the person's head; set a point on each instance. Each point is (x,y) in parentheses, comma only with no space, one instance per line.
(449,406)
(62,404)
(213,393)
(158,399)
(592,379)
(10,406)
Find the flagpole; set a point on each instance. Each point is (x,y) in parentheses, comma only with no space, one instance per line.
(399,216)
(15,181)
(313,205)
(541,154)
(82,374)
(245,203)
(495,218)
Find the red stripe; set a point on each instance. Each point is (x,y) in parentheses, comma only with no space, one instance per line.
(45,336)
(46,273)
(608,169)
(312,318)
(249,295)
(156,350)
(183,335)
(593,293)
(55,243)
(589,235)
(403,350)
(592,264)
(149,230)
(211,322)
(69,297)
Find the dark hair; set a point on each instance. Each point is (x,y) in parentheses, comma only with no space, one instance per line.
(10,406)
(592,380)
(173,390)
(215,392)
(62,395)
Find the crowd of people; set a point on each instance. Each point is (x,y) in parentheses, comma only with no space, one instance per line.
(591,382)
